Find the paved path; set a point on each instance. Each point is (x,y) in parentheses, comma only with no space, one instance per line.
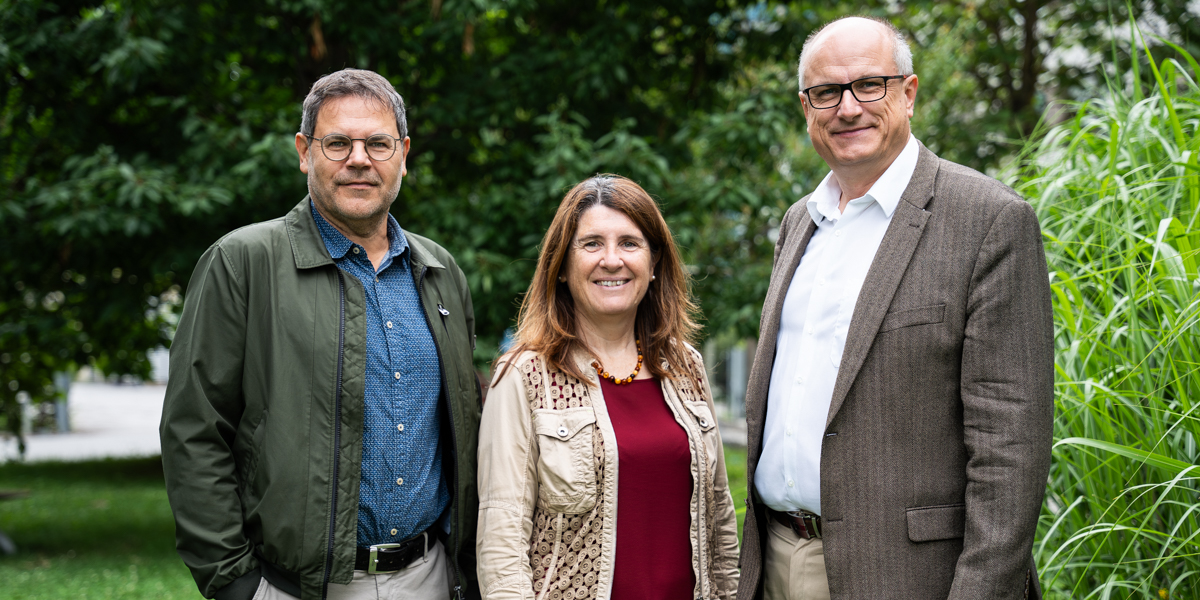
(122,421)
(106,421)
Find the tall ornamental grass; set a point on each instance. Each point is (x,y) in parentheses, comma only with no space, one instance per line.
(1117,190)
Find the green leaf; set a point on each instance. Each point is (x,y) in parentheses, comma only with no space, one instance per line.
(1156,460)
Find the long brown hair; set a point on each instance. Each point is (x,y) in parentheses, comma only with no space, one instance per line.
(547,323)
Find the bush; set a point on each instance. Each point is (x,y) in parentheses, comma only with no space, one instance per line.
(1117,190)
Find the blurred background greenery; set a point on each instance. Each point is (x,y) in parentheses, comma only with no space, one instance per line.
(133,134)
(96,530)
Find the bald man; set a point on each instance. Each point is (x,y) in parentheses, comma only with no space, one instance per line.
(901,402)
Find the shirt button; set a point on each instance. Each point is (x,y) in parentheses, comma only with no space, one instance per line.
(837,233)
(397,374)
(395,531)
(800,379)
(389,324)
(400,426)
(791,483)
(399,481)
(356,249)
(789,431)
(820,282)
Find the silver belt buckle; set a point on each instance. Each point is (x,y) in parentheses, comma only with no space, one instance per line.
(374,560)
(813,523)
(810,520)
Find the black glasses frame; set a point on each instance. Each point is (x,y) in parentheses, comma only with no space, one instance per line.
(352,140)
(850,86)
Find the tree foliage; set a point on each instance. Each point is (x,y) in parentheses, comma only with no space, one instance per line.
(135,133)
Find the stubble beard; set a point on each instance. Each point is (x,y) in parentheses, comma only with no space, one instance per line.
(324,194)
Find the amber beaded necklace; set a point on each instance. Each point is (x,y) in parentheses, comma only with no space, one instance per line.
(636,370)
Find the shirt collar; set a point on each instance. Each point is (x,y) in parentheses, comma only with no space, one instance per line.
(338,244)
(823,203)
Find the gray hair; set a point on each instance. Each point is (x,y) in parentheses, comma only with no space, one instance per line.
(901,53)
(352,82)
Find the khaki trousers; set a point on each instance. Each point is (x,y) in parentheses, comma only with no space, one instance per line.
(427,579)
(793,568)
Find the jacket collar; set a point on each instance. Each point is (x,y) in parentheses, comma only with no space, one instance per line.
(309,251)
(308,248)
(422,254)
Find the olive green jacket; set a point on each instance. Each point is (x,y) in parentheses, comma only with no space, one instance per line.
(263,418)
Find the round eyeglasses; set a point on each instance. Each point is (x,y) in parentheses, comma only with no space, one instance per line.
(867,89)
(337,147)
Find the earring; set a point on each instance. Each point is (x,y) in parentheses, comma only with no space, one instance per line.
(562,279)
(653,277)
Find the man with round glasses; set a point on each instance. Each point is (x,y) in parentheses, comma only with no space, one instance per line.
(320,425)
(900,407)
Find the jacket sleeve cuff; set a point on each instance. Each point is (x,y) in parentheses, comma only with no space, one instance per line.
(242,588)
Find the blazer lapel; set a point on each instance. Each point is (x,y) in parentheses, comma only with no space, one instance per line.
(792,253)
(887,269)
(768,335)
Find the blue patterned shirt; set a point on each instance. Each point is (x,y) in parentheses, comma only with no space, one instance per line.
(402,491)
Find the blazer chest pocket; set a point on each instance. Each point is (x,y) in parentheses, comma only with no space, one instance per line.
(930,523)
(566,467)
(912,317)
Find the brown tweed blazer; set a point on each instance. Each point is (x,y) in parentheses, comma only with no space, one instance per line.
(937,443)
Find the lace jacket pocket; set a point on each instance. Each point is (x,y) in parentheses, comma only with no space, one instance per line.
(566,459)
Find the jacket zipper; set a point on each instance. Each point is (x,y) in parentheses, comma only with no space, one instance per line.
(337,430)
(453,551)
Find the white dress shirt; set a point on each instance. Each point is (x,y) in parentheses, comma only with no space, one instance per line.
(812,332)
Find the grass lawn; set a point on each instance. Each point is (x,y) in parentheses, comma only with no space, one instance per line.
(735,467)
(91,530)
(103,530)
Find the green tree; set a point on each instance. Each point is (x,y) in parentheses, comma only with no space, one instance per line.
(134,134)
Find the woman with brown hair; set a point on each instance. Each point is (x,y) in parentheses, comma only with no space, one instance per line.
(601,472)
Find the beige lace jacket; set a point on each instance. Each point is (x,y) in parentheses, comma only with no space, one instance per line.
(548,485)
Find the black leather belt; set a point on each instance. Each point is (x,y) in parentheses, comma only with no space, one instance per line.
(386,558)
(806,525)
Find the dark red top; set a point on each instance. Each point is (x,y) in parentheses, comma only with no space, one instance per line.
(654,495)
